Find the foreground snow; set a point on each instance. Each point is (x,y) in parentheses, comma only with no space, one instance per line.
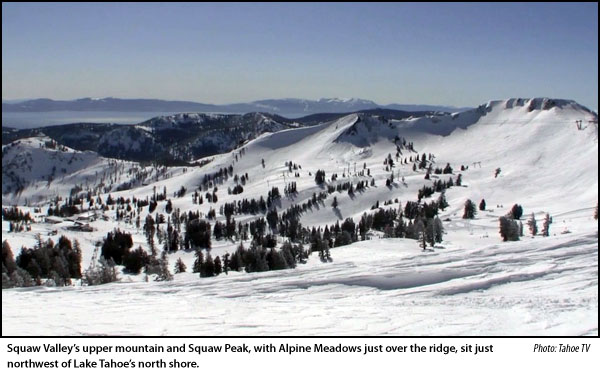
(541,286)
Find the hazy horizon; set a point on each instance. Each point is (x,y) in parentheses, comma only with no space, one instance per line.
(440,54)
(7,100)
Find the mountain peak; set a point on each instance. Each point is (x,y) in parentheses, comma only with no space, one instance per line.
(351,100)
(535,103)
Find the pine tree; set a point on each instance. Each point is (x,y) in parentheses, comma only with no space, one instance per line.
(520,228)
(208,268)
(430,233)
(482,205)
(509,229)
(198,262)
(438,230)
(163,269)
(102,273)
(546,225)
(442,203)
(180,266)
(532,224)
(324,254)
(226,263)
(420,232)
(470,210)
(8,259)
(596,212)
(334,204)
(423,240)
(516,212)
(135,260)
(218,269)
(74,260)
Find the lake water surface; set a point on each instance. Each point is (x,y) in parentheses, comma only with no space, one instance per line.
(27,120)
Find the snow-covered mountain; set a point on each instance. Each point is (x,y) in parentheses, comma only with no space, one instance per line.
(539,153)
(178,138)
(38,170)
(288,107)
(323,105)
(170,139)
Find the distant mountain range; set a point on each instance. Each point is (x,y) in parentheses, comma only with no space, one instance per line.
(290,107)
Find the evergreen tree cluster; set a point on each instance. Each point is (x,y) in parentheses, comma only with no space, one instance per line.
(291,165)
(255,258)
(413,210)
(388,162)
(217,178)
(59,263)
(509,229)
(225,230)
(442,202)
(197,233)
(290,189)
(134,261)
(348,186)
(546,225)
(197,198)
(116,250)
(241,179)
(158,267)
(18,221)
(237,189)
(320,177)
(116,245)
(470,210)
(245,206)
(152,206)
(532,224)
(181,192)
(516,212)
(65,210)
(14,214)
(273,196)
(180,266)
(172,238)
(446,170)
(438,187)
(12,274)
(272,219)
(212,197)
(100,273)
(393,225)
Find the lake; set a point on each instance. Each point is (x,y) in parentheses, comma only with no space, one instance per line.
(27,120)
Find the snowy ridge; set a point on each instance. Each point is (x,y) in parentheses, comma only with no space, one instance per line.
(37,170)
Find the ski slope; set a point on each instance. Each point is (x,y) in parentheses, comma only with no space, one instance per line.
(377,287)
(470,284)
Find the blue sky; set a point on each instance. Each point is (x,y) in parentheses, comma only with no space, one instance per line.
(451,54)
